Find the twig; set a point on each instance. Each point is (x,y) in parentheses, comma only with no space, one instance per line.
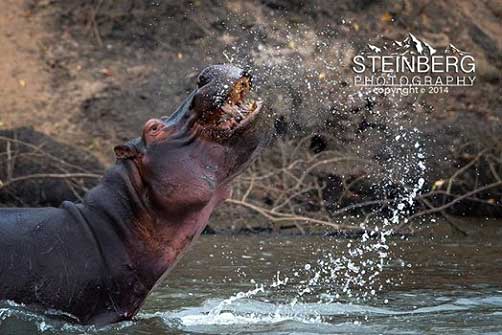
(249,189)
(463,169)
(48,176)
(449,204)
(290,217)
(446,216)
(44,153)
(94,25)
(10,162)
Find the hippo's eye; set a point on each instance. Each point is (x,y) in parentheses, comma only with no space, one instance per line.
(154,128)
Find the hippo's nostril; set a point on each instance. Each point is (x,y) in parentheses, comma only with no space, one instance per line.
(202,80)
(207,75)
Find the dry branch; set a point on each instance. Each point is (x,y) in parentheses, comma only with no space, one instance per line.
(290,179)
(48,176)
(283,217)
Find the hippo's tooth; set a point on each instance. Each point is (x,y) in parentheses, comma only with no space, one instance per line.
(244,110)
(239,113)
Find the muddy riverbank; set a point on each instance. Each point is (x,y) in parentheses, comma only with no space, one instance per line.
(85,76)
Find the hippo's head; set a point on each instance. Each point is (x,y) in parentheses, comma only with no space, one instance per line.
(190,157)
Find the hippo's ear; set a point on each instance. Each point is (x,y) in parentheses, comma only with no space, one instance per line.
(124,151)
(129,150)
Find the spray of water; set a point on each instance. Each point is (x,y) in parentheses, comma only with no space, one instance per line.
(310,69)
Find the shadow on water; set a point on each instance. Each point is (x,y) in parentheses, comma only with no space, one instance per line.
(264,284)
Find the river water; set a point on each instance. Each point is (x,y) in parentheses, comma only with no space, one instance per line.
(313,285)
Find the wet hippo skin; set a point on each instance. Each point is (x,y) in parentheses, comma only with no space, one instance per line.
(98,260)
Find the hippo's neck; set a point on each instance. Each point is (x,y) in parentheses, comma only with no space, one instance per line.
(153,243)
(118,199)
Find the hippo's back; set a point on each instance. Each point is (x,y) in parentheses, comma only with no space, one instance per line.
(42,260)
(22,219)
(20,229)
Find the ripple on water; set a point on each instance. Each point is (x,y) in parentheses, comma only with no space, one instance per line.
(253,315)
(469,314)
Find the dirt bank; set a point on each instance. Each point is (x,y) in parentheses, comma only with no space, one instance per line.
(89,73)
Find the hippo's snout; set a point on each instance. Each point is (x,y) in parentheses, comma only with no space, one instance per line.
(222,73)
(223,100)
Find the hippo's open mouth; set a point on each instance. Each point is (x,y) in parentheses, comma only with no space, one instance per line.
(238,109)
(239,106)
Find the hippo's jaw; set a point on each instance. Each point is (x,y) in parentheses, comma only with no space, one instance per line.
(236,109)
(230,115)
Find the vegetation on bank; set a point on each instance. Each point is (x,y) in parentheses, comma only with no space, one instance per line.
(293,185)
(335,161)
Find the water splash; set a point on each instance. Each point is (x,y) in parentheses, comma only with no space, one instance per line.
(408,311)
(51,321)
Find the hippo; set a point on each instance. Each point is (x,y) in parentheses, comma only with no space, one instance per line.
(97,260)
